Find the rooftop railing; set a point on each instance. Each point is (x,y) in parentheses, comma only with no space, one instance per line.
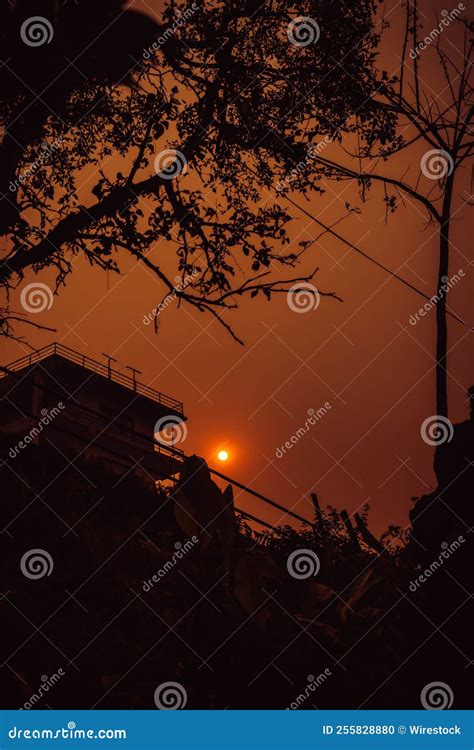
(107,371)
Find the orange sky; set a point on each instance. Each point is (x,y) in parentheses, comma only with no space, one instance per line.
(361,355)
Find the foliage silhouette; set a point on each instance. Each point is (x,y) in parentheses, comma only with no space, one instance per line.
(227,89)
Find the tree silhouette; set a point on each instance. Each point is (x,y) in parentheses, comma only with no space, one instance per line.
(439,123)
(85,42)
(160,151)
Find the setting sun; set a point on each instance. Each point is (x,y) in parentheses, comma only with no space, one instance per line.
(222,455)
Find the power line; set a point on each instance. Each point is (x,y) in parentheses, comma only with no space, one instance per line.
(373,260)
(260,496)
(366,255)
(132,433)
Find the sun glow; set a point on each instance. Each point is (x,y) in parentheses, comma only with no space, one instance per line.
(222,455)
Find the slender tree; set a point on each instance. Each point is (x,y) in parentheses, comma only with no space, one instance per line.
(439,124)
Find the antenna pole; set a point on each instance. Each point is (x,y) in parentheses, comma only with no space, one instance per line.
(109,366)
(134,375)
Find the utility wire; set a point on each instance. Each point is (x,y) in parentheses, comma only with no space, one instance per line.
(366,255)
(374,260)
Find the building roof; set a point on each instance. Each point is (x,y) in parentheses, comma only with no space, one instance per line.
(105,371)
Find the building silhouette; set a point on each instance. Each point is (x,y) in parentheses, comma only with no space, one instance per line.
(86,409)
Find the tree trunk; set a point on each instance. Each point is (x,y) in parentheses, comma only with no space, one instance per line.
(441,322)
